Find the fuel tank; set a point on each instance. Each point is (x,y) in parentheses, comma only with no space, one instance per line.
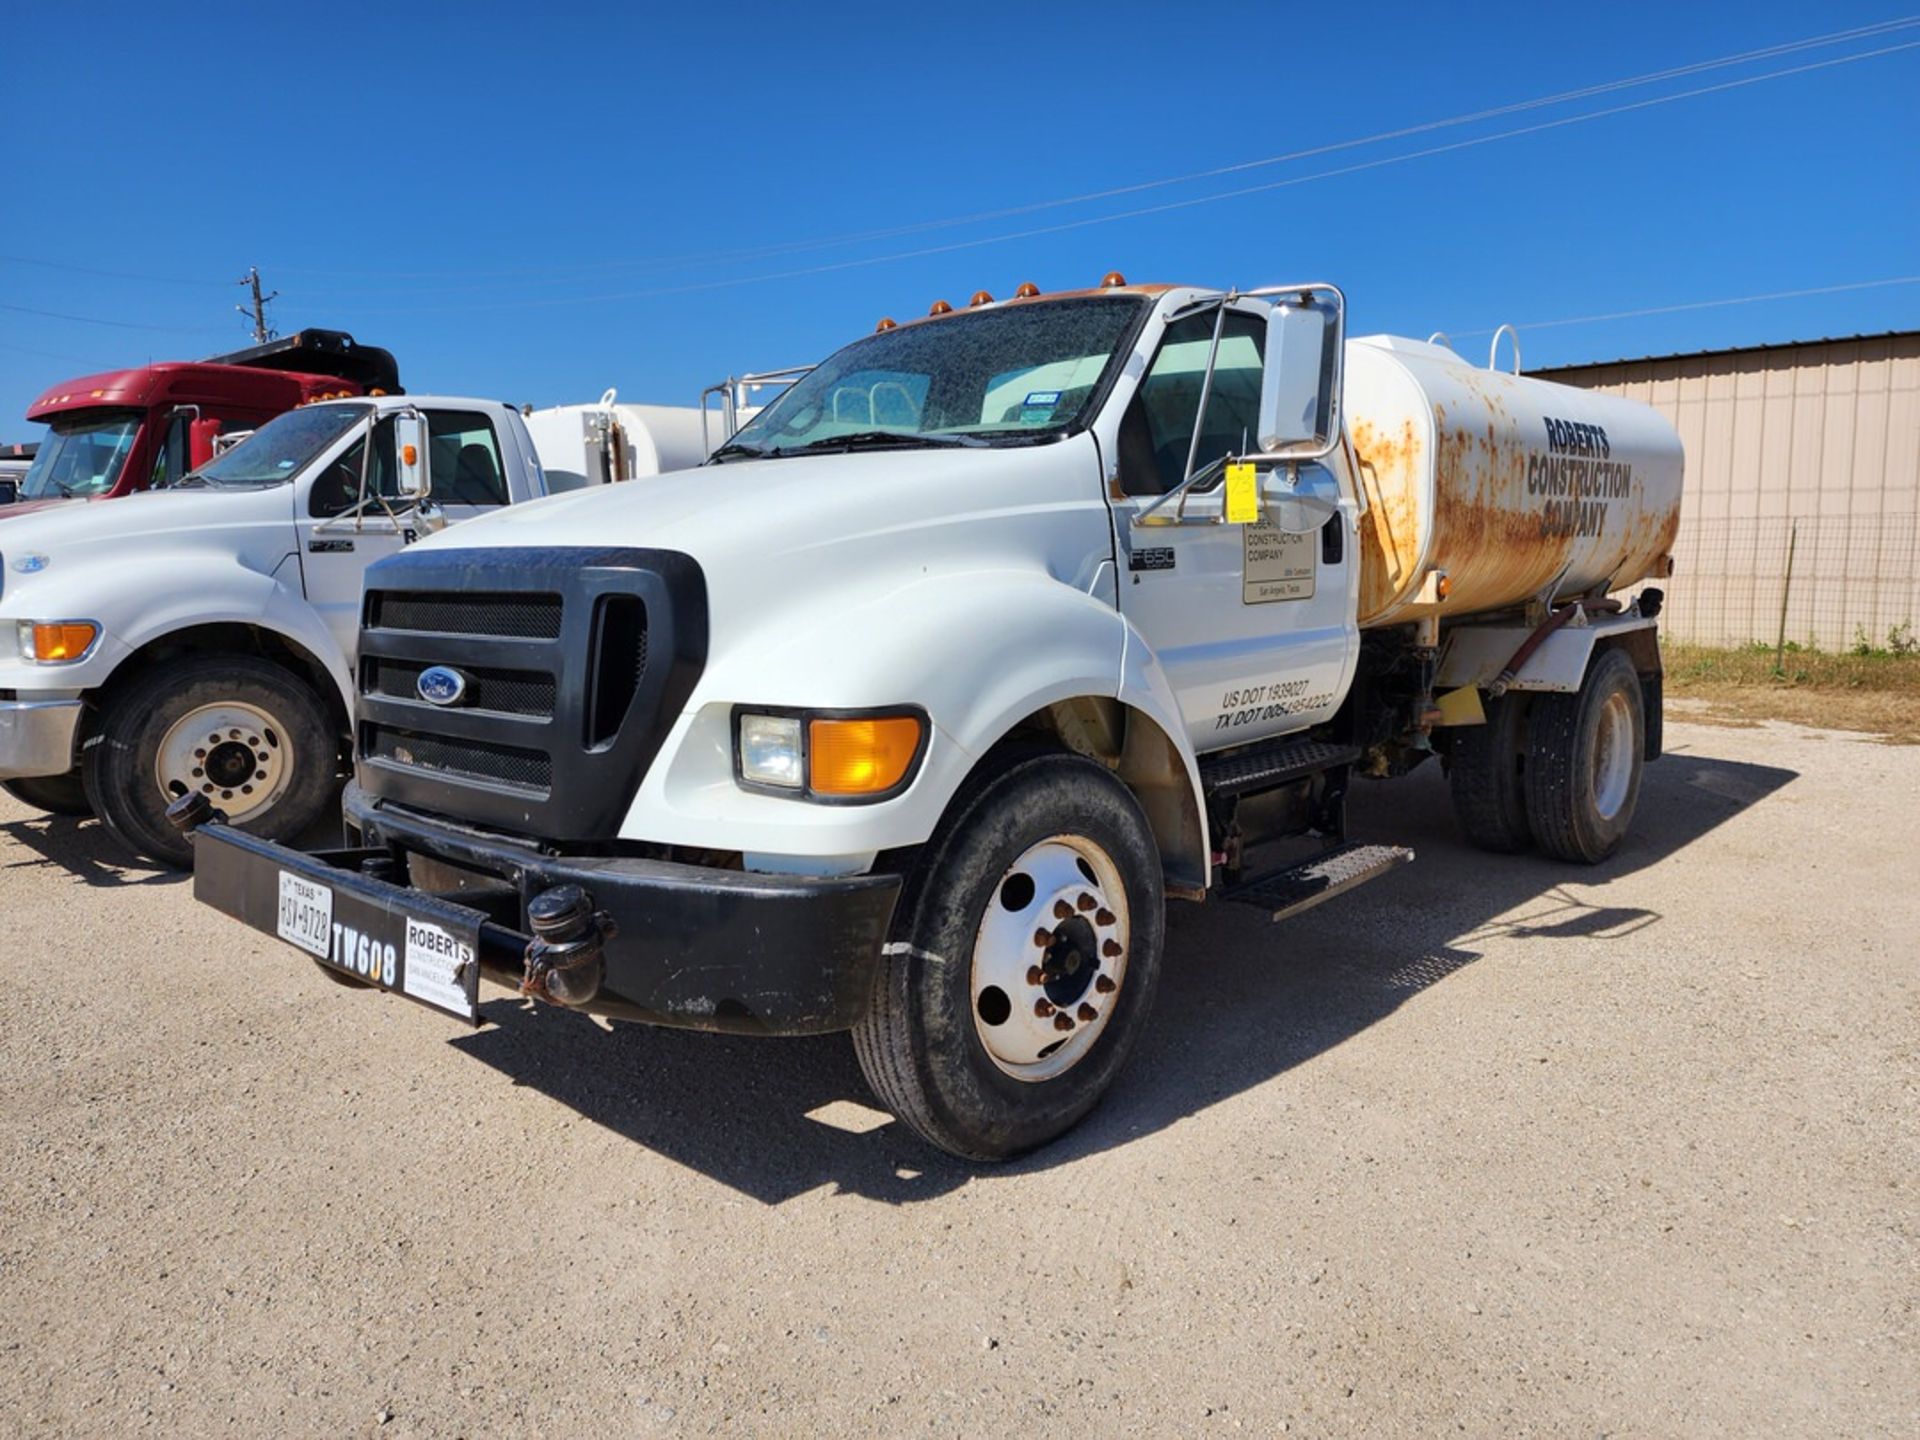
(1509,486)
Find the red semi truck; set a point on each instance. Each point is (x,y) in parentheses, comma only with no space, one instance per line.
(126,430)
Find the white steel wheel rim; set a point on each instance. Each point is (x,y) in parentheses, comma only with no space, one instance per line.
(1050,958)
(237,755)
(1612,756)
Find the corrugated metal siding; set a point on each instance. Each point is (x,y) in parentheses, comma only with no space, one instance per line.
(1814,445)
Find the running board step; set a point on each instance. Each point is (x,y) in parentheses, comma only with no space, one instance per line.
(1321,877)
(1262,767)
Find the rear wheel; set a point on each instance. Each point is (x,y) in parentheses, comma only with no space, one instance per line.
(55,794)
(1484,769)
(254,739)
(1024,959)
(1584,755)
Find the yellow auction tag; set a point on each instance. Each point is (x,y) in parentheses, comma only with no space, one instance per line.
(1243,495)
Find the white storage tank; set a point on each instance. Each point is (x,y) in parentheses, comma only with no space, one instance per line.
(582,445)
(1506,485)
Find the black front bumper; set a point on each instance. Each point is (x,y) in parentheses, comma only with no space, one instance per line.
(694,946)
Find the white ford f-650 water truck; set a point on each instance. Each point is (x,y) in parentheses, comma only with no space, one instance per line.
(908,711)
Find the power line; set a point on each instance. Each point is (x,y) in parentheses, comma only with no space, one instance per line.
(109,274)
(978,217)
(1162,208)
(115,324)
(1702,305)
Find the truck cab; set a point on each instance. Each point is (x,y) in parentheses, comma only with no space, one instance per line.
(202,636)
(123,431)
(908,712)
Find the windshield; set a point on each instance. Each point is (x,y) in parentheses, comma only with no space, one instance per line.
(280,449)
(980,377)
(81,456)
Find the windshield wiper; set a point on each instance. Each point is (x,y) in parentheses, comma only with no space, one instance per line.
(880,439)
(736,447)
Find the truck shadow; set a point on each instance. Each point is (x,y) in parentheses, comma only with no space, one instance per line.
(83,849)
(1241,1001)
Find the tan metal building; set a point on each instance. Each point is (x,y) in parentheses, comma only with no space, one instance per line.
(1802,486)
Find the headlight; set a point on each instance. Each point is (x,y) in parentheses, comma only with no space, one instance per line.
(833,757)
(56,642)
(770,751)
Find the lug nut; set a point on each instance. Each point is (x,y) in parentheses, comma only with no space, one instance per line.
(1110,949)
(1035,976)
(1043,938)
(1062,910)
(1043,1007)
(1087,1012)
(1105,985)
(1087,902)
(1105,917)
(1063,1021)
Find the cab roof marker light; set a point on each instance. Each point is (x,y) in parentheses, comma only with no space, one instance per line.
(1026,291)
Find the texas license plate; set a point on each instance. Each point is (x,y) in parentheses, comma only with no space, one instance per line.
(418,956)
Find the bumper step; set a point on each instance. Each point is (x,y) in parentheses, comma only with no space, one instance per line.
(1302,886)
(1262,767)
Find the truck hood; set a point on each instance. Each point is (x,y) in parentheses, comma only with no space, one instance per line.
(34,507)
(769,509)
(69,530)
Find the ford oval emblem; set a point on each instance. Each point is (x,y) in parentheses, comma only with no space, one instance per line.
(441,685)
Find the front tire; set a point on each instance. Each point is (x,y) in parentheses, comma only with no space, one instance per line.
(256,740)
(1584,755)
(55,794)
(1024,958)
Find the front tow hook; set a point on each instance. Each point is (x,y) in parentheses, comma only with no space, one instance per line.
(191,811)
(566,959)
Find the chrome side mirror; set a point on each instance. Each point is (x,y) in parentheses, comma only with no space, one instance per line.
(1300,379)
(415,480)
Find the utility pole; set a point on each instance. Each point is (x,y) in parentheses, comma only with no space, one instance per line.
(261,334)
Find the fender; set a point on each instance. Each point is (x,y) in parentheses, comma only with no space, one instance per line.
(166,594)
(1475,654)
(892,645)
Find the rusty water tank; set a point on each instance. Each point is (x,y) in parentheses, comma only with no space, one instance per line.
(1509,486)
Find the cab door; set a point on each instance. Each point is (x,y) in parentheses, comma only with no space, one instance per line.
(337,544)
(1252,624)
(339,539)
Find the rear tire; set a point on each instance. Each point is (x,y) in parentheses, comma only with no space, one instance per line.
(1584,757)
(55,794)
(268,755)
(1485,768)
(985,1041)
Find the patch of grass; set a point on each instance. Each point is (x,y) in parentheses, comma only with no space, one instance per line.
(1876,692)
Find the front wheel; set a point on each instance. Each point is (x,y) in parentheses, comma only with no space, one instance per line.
(253,738)
(1023,961)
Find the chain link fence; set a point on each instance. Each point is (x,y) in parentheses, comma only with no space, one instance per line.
(1829,582)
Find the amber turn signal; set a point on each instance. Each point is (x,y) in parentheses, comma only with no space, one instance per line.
(57,642)
(868,755)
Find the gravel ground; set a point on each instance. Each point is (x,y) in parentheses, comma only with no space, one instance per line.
(1492,1145)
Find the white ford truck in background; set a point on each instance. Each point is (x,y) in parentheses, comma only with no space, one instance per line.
(908,711)
(202,637)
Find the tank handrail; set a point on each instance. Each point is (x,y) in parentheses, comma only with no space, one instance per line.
(736,390)
(1493,350)
(1440,337)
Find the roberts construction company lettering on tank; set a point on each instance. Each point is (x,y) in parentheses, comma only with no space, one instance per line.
(1577,478)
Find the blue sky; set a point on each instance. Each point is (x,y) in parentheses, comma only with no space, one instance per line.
(536,202)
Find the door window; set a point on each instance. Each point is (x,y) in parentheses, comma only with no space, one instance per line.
(337,487)
(172,458)
(1156,434)
(465,459)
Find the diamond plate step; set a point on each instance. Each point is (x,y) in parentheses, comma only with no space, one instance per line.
(1264,766)
(1321,877)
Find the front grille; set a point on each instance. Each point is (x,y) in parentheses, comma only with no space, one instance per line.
(528,770)
(507,692)
(523,617)
(576,661)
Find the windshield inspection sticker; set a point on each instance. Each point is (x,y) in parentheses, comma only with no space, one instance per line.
(1047,398)
(1277,566)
